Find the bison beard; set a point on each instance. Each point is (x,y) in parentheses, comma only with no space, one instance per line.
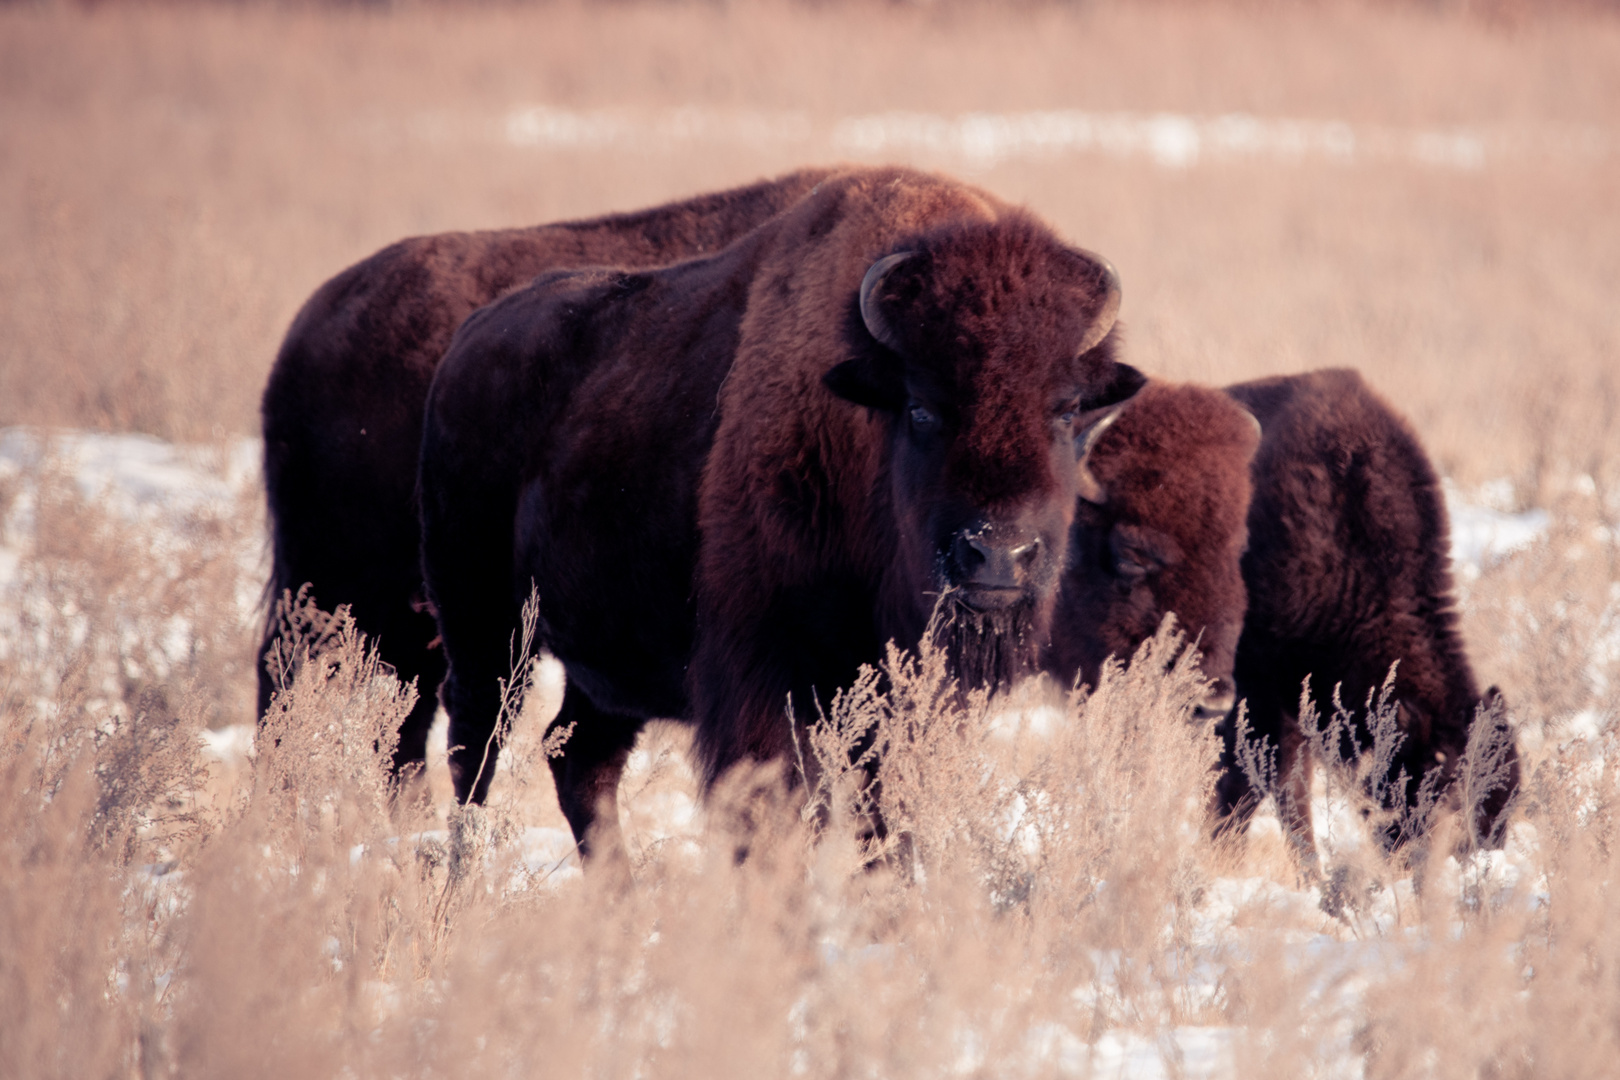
(988,649)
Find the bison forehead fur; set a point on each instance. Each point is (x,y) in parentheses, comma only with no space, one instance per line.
(1167,537)
(987,318)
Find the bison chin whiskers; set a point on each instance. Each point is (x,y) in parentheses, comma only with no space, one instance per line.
(986,649)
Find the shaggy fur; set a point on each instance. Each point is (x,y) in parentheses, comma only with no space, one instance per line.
(730,494)
(343,409)
(1348,571)
(1168,537)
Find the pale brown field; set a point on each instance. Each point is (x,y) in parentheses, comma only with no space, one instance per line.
(174,181)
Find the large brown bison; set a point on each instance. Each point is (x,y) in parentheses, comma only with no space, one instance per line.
(732,480)
(1348,572)
(342,412)
(1159,528)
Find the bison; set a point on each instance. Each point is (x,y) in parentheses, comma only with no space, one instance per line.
(342,411)
(1316,549)
(1159,528)
(733,479)
(1348,574)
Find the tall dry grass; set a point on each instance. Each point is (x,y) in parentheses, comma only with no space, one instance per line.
(1042,901)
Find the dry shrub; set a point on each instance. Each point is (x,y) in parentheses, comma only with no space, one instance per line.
(1050,827)
(98,808)
(1544,621)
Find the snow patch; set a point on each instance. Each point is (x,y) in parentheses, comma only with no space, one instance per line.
(232,745)
(136,475)
(1482,534)
(982,139)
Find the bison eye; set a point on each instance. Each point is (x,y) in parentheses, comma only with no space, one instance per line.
(1132,566)
(1069,412)
(1135,557)
(922,419)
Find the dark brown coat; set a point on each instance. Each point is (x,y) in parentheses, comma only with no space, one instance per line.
(1160,528)
(732,480)
(1348,572)
(342,412)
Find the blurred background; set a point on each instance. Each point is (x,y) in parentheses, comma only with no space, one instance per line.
(1422,190)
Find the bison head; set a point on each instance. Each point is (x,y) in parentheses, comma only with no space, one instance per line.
(1466,750)
(981,347)
(1160,528)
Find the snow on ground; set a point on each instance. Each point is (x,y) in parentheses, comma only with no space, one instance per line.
(144,478)
(164,486)
(138,476)
(1482,534)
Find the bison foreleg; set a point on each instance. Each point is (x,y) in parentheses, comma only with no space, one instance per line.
(1294,798)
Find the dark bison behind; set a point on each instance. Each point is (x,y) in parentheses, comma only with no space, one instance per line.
(1348,572)
(1159,528)
(732,480)
(342,412)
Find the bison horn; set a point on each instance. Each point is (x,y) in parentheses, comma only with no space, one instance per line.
(1259,432)
(1108,312)
(1091,488)
(871,313)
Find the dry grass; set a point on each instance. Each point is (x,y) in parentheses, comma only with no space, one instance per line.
(1044,901)
(173,183)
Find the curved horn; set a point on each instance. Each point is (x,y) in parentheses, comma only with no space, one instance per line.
(1091,488)
(1108,312)
(870,313)
(1259,432)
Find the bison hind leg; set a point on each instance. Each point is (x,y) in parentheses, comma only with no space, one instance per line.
(588,769)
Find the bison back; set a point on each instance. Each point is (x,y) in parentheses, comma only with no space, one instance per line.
(342,411)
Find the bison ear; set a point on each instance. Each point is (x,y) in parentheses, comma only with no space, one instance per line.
(1121,386)
(869,381)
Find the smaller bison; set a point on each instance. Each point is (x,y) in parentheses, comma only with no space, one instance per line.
(1348,575)
(1160,527)
(1317,549)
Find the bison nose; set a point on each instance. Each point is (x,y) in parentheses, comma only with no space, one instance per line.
(1217,703)
(993,570)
